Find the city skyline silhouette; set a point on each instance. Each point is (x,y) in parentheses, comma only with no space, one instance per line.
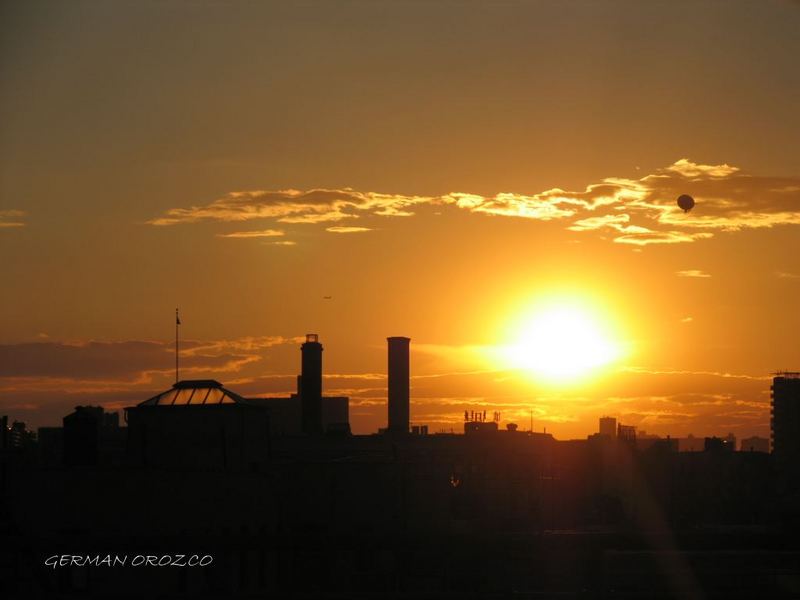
(451,192)
(605,516)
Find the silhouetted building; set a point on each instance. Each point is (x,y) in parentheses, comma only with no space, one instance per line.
(691,444)
(472,427)
(755,444)
(294,415)
(398,385)
(785,421)
(626,433)
(18,435)
(667,444)
(198,424)
(608,426)
(51,446)
(311,385)
(90,437)
(286,414)
(4,432)
(647,441)
(110,420)
(82,436)
(717,444)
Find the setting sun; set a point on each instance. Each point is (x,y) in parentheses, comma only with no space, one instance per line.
(562,341)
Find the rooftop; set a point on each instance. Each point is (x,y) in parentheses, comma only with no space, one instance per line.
(787,374)
(195,392)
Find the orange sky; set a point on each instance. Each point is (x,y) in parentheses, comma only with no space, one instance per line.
(437,168)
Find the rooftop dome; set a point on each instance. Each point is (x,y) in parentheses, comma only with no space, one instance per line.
(195,392)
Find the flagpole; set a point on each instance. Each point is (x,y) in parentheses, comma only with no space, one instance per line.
(177,323)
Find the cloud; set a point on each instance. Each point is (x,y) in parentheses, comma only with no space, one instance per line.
(727,200)
(11,218)
(720,374)
(617,222)
(283,243)
(693,273)
(660,237)
(543,207)
(786,275)
(637,212)
(96,363)
(253,234)
(294,206)
(347,229)
(689,169)
(321,217)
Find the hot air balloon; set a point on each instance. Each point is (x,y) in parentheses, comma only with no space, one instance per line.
(686,202)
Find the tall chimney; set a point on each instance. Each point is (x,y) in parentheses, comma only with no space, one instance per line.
(311,384)
(398,384)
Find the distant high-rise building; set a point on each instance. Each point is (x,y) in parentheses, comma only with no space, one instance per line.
(755,444)
(785,421)
(608,426)
(627,433)
(311,384)
(419,430)
(398,384)
(19,436)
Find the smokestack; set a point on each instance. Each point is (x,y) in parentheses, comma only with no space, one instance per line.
(310,388)
(398,384)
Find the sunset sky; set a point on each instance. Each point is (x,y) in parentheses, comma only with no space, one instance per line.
(447,171)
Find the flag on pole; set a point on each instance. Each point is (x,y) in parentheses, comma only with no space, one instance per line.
(177,322)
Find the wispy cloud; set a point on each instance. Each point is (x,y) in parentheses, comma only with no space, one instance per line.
(721,374)
(618,222)
(51,365)
(347,229)
(786,275)
(697,273)
(660,237)
(687,168)
(637,212)
(294,206)
(253,234)
(11,218)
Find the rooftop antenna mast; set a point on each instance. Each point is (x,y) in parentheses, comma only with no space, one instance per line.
(177,324)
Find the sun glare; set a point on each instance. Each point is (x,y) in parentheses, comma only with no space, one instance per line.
(561,342)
